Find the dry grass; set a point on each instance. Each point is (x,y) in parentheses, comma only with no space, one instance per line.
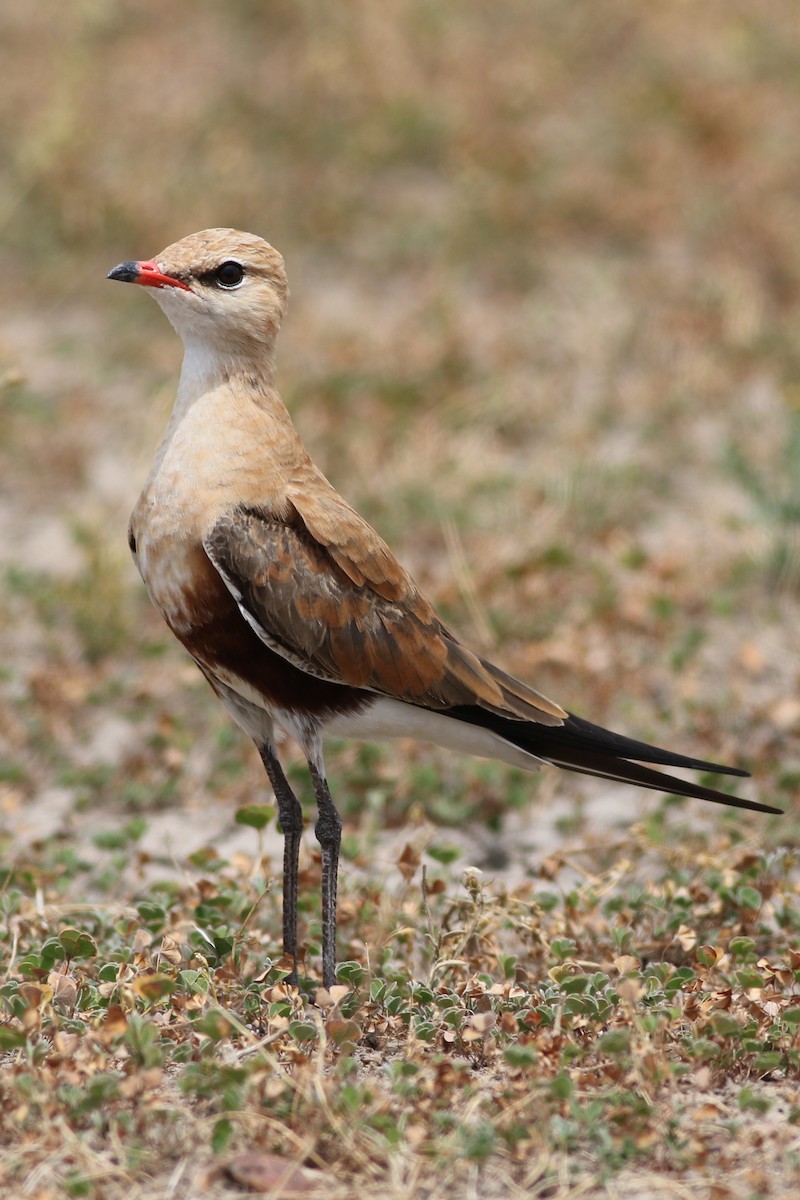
(545,267)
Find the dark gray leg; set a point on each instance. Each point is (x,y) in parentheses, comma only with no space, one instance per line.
(328,830)
(290,816)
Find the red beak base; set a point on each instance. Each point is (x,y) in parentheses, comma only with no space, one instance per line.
(148,273)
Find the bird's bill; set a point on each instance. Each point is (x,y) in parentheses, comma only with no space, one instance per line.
(148,273)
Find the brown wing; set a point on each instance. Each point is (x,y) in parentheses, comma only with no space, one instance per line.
(350,541)
(323,609)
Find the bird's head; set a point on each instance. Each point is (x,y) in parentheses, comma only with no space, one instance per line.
(220,288)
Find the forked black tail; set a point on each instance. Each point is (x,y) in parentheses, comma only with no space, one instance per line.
(580,746)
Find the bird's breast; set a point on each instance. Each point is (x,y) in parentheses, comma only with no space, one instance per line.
(191,596)
(180,580)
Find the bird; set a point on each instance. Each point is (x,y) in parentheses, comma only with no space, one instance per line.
(293,607)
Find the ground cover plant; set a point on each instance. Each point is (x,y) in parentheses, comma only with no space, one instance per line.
(544,266)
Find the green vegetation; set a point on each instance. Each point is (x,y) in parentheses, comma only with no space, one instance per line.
(582,1026)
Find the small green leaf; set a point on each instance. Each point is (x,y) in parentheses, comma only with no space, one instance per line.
(563,948)
(257,816)
(120,837)
(76,1184)
(143,1039)
(76,943)
(743,948)
(750,1101)
(425,1031)
(768,1060)
(353,1097)
(51,952)
(302,1031)
(704,1049)
(519,1056)
(615,1042)
(151,912)
(478,1141)
(221,1135)
(725,1024)
(11,1039)
(574,984)
(352,973)
(561,1087)
(206,859)
(444,854)
(749,978)
(747,897)
(194,982)
(215,1025)
(706,956)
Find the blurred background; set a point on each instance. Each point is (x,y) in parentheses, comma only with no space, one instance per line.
(545,272)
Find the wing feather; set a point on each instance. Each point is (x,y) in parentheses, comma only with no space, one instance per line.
(349,613)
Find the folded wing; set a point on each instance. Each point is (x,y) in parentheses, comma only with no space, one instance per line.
(349,614)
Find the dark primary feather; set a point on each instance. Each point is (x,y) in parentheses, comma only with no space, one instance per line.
(588,749)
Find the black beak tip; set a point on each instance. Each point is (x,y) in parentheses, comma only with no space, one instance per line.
(126,272)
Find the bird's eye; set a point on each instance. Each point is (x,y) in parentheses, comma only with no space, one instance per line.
(229,274)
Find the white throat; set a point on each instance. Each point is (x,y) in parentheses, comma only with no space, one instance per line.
(204,368)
